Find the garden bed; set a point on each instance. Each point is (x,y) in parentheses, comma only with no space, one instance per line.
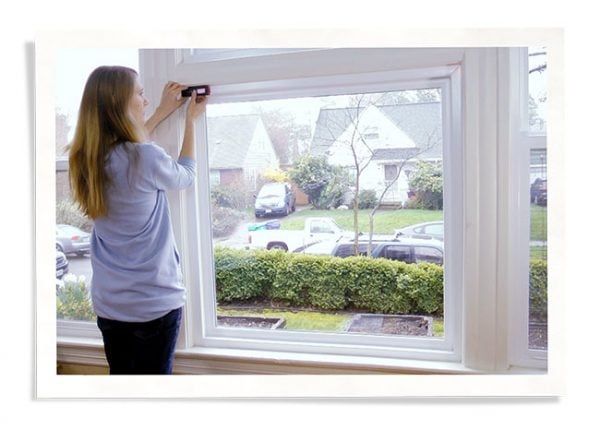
(538,335)
(250,322)
(405,325)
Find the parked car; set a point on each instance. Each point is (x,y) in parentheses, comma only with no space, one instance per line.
(275,198)
(425,230)
(62,264)
(316,229)
(407,249)
(539,192)
(72,240)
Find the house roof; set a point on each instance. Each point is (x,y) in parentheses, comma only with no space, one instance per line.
(394,153)
(229,139)
(421,122)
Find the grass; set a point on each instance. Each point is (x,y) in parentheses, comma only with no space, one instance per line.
(538,252)
(313,320)
(539,223)
(386,221)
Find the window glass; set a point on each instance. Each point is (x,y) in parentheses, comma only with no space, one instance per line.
(73,267)
(397,252)
(426,254)
(538,246)
(538,89)
(321,146)
(434,229)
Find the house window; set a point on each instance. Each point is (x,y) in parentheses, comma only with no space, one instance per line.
(391,171)
(248,291)
(538,194)
(73,266)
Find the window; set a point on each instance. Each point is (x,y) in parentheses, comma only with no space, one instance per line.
(538,193)
(73,267)
(428,254)
(306,299)
(214,242)
(399,253)
(391,171)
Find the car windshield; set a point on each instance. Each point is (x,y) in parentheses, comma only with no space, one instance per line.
(274,190)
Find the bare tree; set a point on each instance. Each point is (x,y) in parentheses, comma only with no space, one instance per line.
(432,140)
(347,130)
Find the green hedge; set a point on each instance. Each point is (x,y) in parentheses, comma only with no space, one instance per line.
(354,283)
(329,283)
(538,290)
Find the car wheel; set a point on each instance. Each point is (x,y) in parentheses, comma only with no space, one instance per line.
(277,245)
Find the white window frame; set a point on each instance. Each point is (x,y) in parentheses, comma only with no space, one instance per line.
(521,354)
(200,55)
(202,330)
(445,349)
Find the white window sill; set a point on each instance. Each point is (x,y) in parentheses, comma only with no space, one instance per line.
(201,360)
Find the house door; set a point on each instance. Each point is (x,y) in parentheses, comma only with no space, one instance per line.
(391,179)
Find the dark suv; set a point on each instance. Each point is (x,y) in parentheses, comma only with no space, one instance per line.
(539,192)
(409,250)
(275,198)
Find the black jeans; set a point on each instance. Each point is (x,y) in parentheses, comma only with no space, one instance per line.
(146,348)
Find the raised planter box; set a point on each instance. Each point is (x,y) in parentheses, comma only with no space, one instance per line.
(251,322)
(405,325)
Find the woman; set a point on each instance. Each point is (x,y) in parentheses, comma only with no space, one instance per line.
(119,180)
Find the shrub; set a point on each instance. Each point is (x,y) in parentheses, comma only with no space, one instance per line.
(324,184)
(330,283)
(538,289)
(237,276)
(367,199)
(236,195)
(73,299)
(67,212)
(425,287)
(427,183)
(224,220)
(373,282)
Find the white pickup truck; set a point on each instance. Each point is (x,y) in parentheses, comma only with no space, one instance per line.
(315,230)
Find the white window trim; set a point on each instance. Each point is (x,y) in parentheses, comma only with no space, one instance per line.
(520,353)
(321,343)
(200,55)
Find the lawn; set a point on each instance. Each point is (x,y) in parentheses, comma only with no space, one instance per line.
(539,223)
(386,221)
(312,320)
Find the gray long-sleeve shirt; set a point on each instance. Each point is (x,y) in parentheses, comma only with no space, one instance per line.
(136,271)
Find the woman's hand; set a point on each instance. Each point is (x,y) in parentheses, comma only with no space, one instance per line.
(171,99)
(196,107)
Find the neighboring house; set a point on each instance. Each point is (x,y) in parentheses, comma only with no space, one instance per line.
(239,149)
(387,136)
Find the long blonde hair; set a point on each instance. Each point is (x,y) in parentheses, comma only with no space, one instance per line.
(104,122)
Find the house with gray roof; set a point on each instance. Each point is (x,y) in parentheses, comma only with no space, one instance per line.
(384,139)
(239,149)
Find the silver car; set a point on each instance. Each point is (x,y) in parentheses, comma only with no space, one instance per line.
(72,240)
(425,230)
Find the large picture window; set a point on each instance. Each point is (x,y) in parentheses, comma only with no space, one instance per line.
(307,221)
(356,210)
